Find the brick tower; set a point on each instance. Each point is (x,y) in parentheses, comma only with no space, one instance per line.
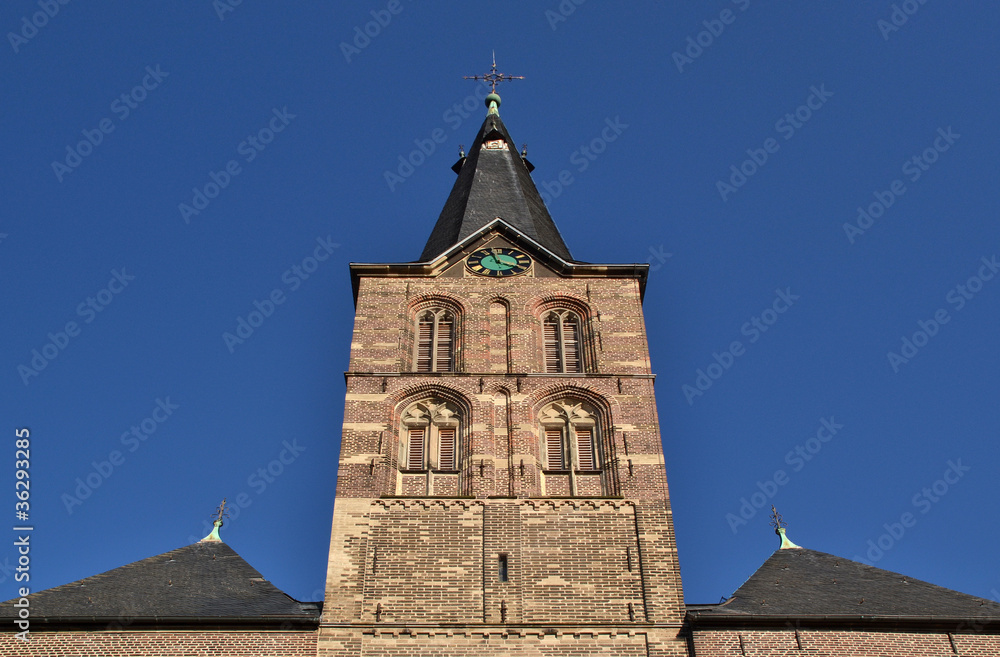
(501,485)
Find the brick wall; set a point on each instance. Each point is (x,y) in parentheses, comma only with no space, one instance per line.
(816,643)
(401,558)
(499,642)
(161,644)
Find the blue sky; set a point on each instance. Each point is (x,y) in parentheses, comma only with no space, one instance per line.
(748,135)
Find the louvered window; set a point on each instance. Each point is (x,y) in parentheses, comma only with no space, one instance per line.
(554,449)
(415,449)
(585,449)
(571,344)
(443,355)
(446,442)
(425,343)
(435,342)
(562,342)
(551,330)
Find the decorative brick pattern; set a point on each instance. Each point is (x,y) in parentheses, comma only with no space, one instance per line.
(162,644)
(423,558)
(497,642)
(819,643)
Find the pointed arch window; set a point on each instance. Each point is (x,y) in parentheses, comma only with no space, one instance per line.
(571,437)
(430,437)
(562,341)
(434,346)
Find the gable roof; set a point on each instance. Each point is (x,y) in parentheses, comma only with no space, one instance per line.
(206,581)
(499,227)
(801,583)
(493,183)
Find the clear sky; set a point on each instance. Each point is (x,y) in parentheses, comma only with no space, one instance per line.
(747,136)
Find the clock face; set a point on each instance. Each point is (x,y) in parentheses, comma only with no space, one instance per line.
(498,262)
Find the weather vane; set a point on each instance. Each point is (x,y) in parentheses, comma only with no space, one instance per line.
(493,77)
(776,520)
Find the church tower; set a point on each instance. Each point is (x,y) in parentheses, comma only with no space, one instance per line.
(501,485)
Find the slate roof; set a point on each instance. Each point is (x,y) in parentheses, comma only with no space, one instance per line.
(493,183)
(805,583)
(207,581)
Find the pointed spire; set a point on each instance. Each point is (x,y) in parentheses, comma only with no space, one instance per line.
(220,513)
(779,529)
(494,182)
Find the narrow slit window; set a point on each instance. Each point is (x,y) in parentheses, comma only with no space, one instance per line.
(502,568)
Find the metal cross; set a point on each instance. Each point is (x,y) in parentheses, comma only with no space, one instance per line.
(776,520)
(221,511)
(493,77)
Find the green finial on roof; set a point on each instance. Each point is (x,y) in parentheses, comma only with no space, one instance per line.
(220,513)
(493,104)
(779,529)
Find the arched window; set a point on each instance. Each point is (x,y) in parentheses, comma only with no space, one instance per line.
(571,437)
(430,437)
(434,345)
(573,451)
(562,337)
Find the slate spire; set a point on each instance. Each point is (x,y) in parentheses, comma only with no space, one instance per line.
(494,181)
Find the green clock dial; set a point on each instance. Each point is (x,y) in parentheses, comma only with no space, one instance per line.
(498,262)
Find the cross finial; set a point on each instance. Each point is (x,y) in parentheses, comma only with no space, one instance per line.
(776,520)
(220,513)
(493,77)
(779,529)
